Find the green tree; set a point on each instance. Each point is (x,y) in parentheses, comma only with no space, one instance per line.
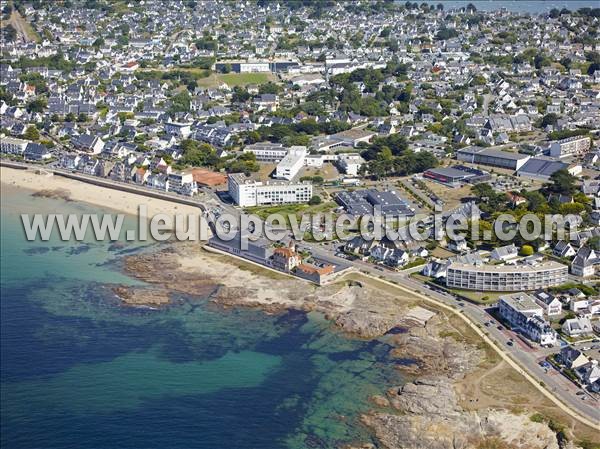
(316,199)
(10,33)
(594,243)
(549,119)
(527,250)
(562,182)
(37,105)
(32,133)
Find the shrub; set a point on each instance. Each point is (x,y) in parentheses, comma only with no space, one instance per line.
(316,199)
(527,250)
(537,417)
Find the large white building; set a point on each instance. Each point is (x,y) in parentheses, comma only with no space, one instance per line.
(523,314)
(570,146)
(291,164)
(11,145)
(492,156)
(350,163)
(506,278)
(267,151)
(247,193)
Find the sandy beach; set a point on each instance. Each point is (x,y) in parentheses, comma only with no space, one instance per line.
(117,200)
(454,370)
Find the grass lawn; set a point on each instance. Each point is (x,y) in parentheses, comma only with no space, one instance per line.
(479,297)
(236,79)
(327,172)
(291,209)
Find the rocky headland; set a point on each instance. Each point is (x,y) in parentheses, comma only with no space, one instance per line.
(441,358)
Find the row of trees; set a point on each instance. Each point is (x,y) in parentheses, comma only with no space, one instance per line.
(295,134)
(390,156)
(199,154)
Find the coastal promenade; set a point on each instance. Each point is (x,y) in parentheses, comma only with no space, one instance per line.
(475,316)
(108,183)
(555,388)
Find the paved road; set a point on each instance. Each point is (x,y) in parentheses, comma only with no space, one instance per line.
(487,99)
(520,356)
(525,356)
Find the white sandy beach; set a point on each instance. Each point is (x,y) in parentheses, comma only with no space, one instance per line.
(117,200)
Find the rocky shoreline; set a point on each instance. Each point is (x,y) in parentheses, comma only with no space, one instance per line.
(427,412)
(357,310)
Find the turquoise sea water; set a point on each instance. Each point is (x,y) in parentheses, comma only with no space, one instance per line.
(78,370)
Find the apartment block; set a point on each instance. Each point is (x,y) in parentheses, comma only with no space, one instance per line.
(247,193)
(506,277)
(570,146)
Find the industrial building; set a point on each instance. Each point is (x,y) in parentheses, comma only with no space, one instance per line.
(456,175)
(492,157)
(542,169)
(364,202)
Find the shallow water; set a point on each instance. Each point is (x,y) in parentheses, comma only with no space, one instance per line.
(78,370)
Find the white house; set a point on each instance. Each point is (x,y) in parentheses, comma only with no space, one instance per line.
(550,303)
(577,327)
(504,253)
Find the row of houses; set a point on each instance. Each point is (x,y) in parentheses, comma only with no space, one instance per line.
(32,151)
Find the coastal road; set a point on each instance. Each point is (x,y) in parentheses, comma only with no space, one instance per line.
(524,359)
(556,387)
(526,362)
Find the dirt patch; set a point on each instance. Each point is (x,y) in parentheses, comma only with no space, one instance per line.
(61,194)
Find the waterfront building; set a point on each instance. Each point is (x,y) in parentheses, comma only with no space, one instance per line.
(524,315)
(517,277)
(246,192)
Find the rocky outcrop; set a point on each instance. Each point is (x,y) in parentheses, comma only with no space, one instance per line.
(427,415)
(365,323)
(140,296)
(433,354)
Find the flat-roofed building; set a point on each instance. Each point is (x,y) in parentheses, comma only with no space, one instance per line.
(364,202)
(506,278)
(246,192)
(292,163)
(244,66)
(10,145)
(267,151)
(524,315)
(353,136)
(570,146)
(492,157)
(182,182)
(540,168)
(350,163)
(182,130)
(455,176)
